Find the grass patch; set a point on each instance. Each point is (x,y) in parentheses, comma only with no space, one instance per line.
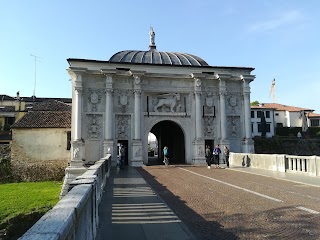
(27,197)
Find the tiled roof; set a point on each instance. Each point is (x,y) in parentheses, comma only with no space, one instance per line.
(313,115)
(261,107)
(45,119)
(281,107)
(51,105)
(48,114)
(7,109)
(6,97)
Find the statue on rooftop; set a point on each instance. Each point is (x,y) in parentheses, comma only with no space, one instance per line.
(152,36)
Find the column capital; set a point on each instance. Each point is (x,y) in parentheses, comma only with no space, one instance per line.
(79,89)
(136,92)
(247,78)
(108,90)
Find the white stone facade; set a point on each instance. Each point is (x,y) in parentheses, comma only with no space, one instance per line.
(115,102)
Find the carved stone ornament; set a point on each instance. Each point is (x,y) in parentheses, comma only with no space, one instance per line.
(76,153)
(197,82)
(233,101)
(233,126)
(94,98)
(168,102)
(209,101)
(137,79)
(94,125)
(123,126)
(138,152)
(208,127)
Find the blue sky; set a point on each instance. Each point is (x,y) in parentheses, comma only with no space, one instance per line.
(279,38)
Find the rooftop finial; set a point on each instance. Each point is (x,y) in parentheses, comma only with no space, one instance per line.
(152,34)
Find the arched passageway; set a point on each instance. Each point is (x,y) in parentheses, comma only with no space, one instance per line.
(170,134)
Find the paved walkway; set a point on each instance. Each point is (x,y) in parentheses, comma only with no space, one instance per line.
(292,177)
(130,209)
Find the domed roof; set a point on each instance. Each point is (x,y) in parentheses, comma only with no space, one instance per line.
(153,56)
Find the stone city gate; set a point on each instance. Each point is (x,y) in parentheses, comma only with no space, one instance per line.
(136,92)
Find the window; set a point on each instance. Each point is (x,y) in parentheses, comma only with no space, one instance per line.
(267,127)
(259,114)
(252,114)
(314,122)
(68,140)
(277,114)
(9,120)
(251,127)
(267,114)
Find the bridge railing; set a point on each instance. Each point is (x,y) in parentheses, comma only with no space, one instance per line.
(309,165)
(75,216)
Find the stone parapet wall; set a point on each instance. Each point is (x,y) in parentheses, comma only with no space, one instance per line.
(308,165)
(76,215)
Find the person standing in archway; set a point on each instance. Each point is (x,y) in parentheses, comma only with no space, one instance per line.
(122,156)
(208,156)
(165,154)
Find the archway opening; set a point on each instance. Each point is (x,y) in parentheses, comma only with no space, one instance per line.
(169,134)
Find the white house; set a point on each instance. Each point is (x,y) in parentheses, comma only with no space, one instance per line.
(256,114)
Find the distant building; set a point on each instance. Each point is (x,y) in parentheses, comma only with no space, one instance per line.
(279,115)
(14,108)
(256,114)
(43,134)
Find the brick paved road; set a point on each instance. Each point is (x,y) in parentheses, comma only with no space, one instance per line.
(226,204)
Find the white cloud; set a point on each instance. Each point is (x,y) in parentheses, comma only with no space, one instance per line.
(287,18)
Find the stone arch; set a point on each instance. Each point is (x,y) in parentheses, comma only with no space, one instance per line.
(179,151)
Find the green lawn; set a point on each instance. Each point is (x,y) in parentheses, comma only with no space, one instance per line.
(27,197)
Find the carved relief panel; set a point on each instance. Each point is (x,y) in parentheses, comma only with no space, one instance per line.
(123,126)
(233,103)
(94,125)
(209,126)
(233,126)
(93,99)
(209,107)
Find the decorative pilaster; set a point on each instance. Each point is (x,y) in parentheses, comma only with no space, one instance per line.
(248,144)
(108,143)
(223,117)
(137,114)
(198,144)
(137,150)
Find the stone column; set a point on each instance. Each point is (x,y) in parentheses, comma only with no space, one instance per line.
(223,117)
(78,113)
(137,114)
(248,143)
(198,116)
(108,143)
(108,128)
(137,149)
(198,144)
(76,167)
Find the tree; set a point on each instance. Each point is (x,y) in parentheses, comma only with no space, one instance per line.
(255,103)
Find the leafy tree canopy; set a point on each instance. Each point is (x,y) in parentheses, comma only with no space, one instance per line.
(255,103)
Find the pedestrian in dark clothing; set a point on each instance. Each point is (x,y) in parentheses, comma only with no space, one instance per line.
(216,156)
(208,156)
(226,152)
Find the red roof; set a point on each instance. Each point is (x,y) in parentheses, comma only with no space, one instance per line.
(281,107)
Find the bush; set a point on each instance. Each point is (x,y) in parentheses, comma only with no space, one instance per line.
(5,170)
(24,171)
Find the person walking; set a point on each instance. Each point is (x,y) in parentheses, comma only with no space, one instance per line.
(122,156)
(165,156)
(226,152)
(216,156)
(208,156)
